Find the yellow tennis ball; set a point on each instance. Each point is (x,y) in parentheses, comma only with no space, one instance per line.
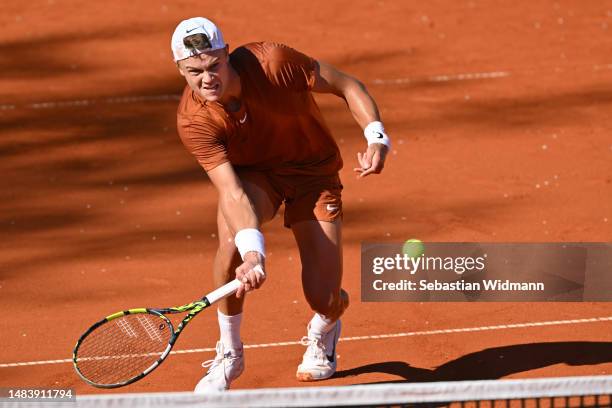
(413,248)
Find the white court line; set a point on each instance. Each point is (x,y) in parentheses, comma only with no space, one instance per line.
(371,337)
(600,67)
(89,102)
(469,76)
(463,77)
(148,98)
(444,78)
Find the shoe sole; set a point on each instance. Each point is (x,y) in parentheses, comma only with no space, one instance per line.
(307,377)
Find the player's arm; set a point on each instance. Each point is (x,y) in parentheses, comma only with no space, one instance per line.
(240,216)
(363,107)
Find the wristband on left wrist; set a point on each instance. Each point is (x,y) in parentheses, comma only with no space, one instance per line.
(374,132)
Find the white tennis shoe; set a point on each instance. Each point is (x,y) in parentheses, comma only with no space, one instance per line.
(225,368)
(320,359)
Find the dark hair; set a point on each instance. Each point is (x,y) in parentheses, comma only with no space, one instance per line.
(197,42)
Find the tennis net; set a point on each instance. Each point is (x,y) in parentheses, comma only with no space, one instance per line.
(591,391)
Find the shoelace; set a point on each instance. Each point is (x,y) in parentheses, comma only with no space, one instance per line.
(315,348)
(214,363)
(218,360)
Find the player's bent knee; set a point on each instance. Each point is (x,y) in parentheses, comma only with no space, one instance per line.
(332,306)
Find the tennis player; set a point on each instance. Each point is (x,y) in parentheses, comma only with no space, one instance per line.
(250,120)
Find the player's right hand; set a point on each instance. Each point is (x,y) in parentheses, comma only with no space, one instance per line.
(251,273)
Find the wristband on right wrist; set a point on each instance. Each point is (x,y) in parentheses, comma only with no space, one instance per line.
(375,133)
(249,239)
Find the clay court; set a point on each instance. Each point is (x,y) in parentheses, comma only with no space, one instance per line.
(500,119)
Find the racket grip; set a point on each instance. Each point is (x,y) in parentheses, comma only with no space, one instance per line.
(224,291)
(230,288)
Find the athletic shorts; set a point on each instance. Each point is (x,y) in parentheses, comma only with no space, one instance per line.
(316,198)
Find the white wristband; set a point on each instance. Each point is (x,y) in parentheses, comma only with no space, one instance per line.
(375,133)
(249,239)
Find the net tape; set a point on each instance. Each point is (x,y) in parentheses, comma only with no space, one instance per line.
(366,395)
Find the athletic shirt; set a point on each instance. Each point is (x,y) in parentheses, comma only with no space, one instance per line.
(279,127)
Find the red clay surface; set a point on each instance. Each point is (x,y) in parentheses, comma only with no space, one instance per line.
(103,209)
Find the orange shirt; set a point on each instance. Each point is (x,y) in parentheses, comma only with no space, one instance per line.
(279,127)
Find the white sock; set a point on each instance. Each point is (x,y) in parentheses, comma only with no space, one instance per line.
(320,325)
(229,327)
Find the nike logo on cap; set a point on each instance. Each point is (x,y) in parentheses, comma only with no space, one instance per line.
(192,29)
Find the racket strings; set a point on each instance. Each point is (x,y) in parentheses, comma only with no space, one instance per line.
(122,348)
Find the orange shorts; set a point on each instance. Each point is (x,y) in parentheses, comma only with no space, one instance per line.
(306,197)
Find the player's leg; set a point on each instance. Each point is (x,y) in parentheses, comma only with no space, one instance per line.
(314,213)
(320,245)
(229,361)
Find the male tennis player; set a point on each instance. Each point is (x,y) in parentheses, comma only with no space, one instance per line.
(251,121)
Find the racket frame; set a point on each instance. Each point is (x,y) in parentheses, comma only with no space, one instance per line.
(192,309)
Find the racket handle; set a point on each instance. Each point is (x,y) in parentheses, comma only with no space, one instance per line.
(229,288)
(224,291)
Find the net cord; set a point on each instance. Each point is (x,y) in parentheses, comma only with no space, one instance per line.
(377,394)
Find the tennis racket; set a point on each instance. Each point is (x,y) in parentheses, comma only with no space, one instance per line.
(126,346)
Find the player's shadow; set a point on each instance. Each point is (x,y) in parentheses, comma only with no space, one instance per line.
(494,363)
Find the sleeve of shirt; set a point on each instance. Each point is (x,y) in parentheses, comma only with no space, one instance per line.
(288,68)
(205,141)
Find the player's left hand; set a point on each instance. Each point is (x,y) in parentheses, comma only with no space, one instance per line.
(372,161)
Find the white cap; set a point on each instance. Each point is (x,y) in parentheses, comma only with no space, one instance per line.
(195,25)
